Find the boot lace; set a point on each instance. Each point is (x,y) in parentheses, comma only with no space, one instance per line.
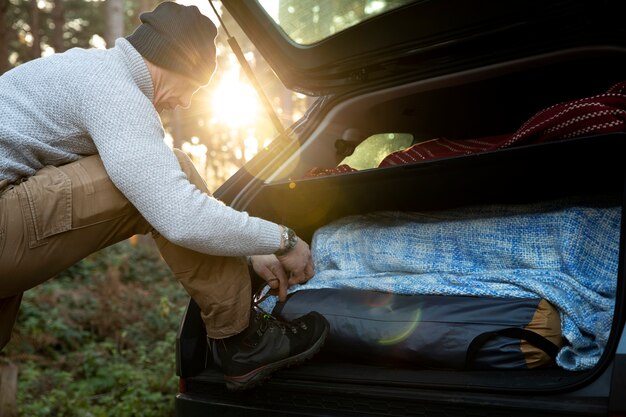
(269,321)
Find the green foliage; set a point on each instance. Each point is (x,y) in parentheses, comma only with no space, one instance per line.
(99,339)
(82,20)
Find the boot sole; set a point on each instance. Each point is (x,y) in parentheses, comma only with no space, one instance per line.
(259,375)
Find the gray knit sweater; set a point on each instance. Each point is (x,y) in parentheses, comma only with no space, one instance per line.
(58,109)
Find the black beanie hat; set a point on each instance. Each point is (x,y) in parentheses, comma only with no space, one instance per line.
(178,38)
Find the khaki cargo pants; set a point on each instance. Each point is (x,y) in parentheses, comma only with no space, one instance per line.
(62,214)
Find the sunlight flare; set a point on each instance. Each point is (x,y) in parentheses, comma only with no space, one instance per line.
(234,102)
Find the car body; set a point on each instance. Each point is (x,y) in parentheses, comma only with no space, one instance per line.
(457,68)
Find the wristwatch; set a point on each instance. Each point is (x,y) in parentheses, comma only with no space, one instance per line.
(288,239)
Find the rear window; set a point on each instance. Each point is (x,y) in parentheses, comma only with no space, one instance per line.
(310,21)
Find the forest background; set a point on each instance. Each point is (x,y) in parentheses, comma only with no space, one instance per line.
(98,340)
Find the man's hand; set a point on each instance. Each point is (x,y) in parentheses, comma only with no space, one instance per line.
(298,262)
(269,268)
(294,267)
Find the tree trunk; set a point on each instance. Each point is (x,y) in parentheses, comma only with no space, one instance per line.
(144,6)
(8,389)
(58,18)
(34,29)
(4,37)
(114,21)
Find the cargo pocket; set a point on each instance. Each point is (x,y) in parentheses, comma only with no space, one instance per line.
(46,203)
(95,198)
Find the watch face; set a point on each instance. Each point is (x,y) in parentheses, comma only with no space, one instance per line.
(291,238)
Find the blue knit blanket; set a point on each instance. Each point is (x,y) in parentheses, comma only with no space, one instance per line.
(567,255)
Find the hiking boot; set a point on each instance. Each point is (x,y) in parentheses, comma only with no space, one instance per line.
(267,345)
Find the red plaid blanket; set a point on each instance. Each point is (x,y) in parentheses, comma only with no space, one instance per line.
(600,114)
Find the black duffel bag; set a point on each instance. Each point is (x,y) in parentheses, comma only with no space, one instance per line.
(433,331)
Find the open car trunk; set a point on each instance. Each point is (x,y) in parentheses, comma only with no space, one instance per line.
(481,102)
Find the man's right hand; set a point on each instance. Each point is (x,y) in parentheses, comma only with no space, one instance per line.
(280,271)
(298,263)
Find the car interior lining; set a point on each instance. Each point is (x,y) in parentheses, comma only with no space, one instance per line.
(486,101)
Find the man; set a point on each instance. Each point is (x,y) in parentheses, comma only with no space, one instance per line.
(83,165)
